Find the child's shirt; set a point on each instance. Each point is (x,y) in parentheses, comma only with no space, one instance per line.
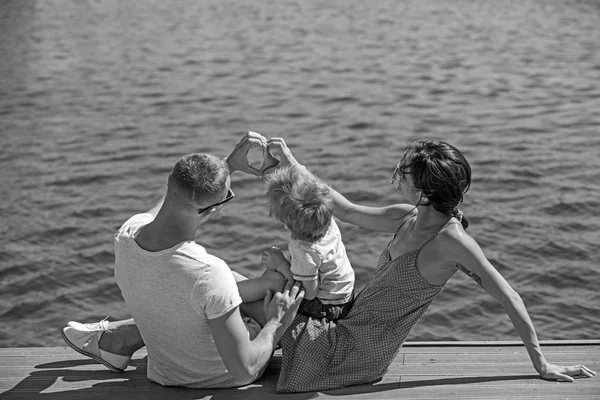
(325,260)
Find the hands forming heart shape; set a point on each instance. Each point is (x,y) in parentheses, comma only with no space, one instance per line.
(269,161)
(238,159)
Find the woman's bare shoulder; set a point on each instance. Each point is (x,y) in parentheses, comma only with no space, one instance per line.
(453,238)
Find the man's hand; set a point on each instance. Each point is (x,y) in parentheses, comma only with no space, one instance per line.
(283,306)
(566,374)
(238,159)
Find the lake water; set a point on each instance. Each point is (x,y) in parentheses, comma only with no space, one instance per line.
(98,99)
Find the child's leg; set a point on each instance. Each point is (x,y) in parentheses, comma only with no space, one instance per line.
(255,289)
(274,258)
(254,309)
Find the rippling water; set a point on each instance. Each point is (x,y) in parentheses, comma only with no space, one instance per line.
(98,99)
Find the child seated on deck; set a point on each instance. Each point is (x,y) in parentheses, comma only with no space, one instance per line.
(303,203)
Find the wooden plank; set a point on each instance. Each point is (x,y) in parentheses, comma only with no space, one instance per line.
(502,343)
(496,350)
(37,351)
(49,352)
(438,389)
(486,359)
(407,347)
(453,393)
(66,361)
(464,369)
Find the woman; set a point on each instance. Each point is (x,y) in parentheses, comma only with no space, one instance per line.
(429,245)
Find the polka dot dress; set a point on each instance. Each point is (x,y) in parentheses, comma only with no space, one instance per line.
(321,355)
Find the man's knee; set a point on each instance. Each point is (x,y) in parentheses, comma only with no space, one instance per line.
(238,277)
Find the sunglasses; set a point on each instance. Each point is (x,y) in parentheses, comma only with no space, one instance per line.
(396,175)
(228,197)
(398,170)
(399,173)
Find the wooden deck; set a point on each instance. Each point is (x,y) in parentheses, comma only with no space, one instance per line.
(422,370)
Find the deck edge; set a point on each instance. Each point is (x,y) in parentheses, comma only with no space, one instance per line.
(581,342)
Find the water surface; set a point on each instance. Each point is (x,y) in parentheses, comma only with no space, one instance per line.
(98,99)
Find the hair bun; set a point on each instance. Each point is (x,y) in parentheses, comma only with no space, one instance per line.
(456,213)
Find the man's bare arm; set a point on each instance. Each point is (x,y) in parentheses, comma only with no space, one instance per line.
(244,358)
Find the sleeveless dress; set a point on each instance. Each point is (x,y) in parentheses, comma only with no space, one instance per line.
(320,355)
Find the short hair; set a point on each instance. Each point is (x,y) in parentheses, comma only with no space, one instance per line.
(301,201)
(197,176)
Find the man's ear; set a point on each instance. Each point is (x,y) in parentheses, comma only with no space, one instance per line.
(205,216)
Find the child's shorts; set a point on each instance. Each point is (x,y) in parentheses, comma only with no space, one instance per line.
(332,312)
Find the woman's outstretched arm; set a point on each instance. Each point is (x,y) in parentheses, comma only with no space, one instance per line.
(382,219)
(472,261)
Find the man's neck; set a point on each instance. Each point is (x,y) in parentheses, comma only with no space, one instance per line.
(166,231)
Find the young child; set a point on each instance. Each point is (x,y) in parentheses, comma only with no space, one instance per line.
(303,203)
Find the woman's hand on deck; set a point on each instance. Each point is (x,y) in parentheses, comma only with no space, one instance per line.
(566,374)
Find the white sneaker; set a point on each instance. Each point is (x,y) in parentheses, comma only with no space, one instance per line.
(91,327)
(84,338)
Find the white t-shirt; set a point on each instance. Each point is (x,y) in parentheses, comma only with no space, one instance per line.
(325,260)
(172,294)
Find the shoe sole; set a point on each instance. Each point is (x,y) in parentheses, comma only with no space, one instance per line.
(85,353)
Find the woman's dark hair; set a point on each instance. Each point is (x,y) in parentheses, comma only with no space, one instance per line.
(441,172)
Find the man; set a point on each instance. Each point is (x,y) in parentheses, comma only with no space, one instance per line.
(185,302)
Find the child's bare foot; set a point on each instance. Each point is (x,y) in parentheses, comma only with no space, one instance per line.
(273,258)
